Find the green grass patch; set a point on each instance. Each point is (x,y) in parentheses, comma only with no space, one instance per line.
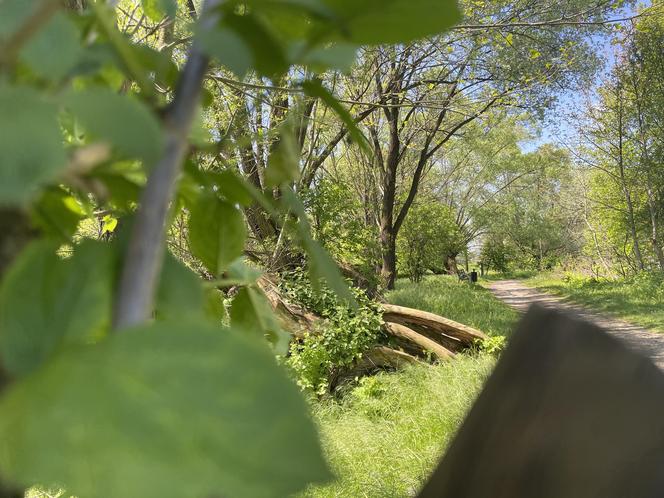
(384,437)
(638,299)
(470,304)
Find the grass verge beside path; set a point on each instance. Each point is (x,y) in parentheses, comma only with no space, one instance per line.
(385,436)
(470,304)
(638,299)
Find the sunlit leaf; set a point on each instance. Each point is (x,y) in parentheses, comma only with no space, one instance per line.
(46,301)
(167,410)
(217,232)
(57,214)
(31,150)
(157,9)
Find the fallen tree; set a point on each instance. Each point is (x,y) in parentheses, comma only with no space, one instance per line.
(413,335)
(432,324)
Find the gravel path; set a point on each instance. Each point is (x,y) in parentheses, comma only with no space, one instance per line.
(520,296)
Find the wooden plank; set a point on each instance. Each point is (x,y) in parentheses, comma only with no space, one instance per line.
(569,412)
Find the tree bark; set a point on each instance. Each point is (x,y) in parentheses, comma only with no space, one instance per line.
(431,322)
(422,344)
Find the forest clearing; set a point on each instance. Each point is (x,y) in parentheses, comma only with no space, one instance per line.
(283,248)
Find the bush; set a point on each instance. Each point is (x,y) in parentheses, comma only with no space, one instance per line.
(342,338)
(428,235)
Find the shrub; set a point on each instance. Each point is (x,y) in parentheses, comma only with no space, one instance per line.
(345,334)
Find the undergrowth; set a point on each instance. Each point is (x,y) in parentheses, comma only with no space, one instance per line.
(342,338)
(385,436)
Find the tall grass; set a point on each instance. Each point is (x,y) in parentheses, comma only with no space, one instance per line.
(385,436)
(639,299)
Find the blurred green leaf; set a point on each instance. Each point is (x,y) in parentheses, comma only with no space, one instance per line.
(30,143)
(315,88)
(248,34)
(217,232)
(252,314)
(374,22)
(12,14)
(123,121)
(57,214)
(155,10)
(284,162)
(60,36)
(46,301)
(339,56)
(229,48)
(180,293)
(166,410)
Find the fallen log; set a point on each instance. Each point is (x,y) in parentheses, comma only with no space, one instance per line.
(377,358)
(421,342)
(432,323)
(293,317)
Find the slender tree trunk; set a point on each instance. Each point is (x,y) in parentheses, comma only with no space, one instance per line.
(623,180)
(654,223)
(388,230)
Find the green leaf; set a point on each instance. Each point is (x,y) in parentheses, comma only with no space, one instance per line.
(46,301)
(284,162)
(315,88)
(163,411)
(268,54)
(216,232)
(57,214)
(252,314)
(12,15)
(123,121)
(180,294)
(109,224)
(340,56)
(155,10)
(31,152)
(39,54)
(229,49)
(375,22)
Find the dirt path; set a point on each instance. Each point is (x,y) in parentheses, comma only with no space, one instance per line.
(520,296)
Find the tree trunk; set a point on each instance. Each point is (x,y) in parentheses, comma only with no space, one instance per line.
(654,222)
(451,264)
(422,344)
(623,180)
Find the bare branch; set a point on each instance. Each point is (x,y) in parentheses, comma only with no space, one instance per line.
(142,265)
